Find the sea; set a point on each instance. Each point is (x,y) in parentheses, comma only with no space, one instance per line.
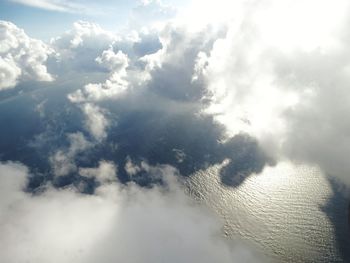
(289,213)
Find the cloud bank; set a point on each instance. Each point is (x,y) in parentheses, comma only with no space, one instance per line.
(118,223)
(284,80)
(262,73)
(267,83)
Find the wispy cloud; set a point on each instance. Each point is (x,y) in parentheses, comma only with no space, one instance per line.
(58,5)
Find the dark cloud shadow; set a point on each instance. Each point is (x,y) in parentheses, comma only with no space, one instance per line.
(245,157)
(337,210)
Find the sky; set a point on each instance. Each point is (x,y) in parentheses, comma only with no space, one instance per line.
(45,19)
(113,104)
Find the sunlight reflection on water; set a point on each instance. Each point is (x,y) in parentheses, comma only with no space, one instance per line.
(278,210)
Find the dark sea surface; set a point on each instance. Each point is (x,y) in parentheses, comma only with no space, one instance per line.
(289,213)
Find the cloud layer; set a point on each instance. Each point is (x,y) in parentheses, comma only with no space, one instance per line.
(284,80)
(276,89)
(117,223)
(267,82)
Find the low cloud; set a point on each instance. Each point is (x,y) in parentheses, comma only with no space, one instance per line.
(104,173)
(115,85)
(63,161)
(272,84)
(21,57)
(284,81)
(95,121)
(123,223)
(77,49)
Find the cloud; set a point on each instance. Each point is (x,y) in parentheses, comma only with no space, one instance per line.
(84,34)
(62,161)
(95,120)
(56,5)
(150,13)
(317,130)
(170,70)
(104,173)
(274,76)
(130,167)
(13,181)
(77,49)
(283,97)
(119,223)
(9,72)
(86,46)
(165,86)
(263,69)
(159,111)
(21,57)
(115,85)
(283,80)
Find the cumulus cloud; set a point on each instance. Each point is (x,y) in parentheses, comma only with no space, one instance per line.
(283,80)
(21,57)
(95,120)
(115,85)
(119,223)
(104,173)
(170,70)
(130,167)
(272,80)
(9,72)
(62,161)
(84,34)
(78,48)
(166,78)
(275,78)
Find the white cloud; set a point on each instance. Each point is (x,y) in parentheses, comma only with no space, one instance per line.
(169,71)
(95,117)
(95,120)
(104,173)
(56,5)
(13,180)
(62,161)
(154,172)
(113,61)
(21,57)
(317,128)
(77,49)
(130,167)
(284,80)
(9,72)
(114,86)
(84,34)
(272,75)
(119,223)
(151,13)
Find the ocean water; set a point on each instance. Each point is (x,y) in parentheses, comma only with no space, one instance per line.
(289,213)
